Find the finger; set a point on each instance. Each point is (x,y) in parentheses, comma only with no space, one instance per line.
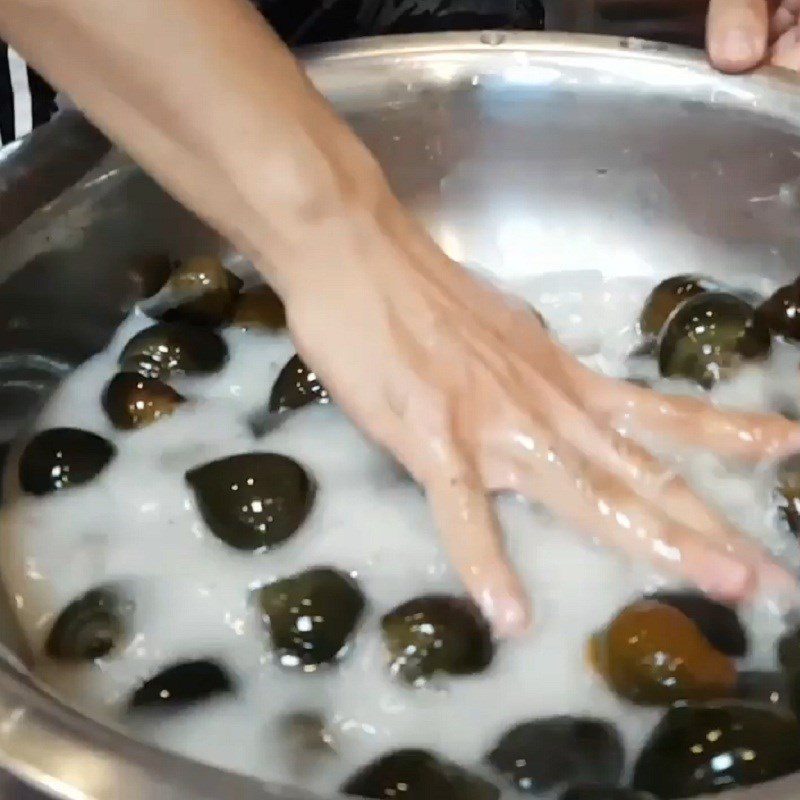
(689,421)
(786,50)
(471,535)
(600,504)
(670,496)
(700,425)
(736,33)
(652,480)
(785,17)
(628,461)
(674,497)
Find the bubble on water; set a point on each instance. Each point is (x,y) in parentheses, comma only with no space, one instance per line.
(194,596)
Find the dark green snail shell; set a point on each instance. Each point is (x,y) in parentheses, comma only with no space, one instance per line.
(199,291)
(259,309)
(252,500)
(700,749)
(781,312)
(417,775)
(666,297)
(311,617)
(134,401)
(90,627)
(557,752)
(171,348)
(437,634)
(709,337)
(296,386)
(181,685)
(60,458)
(652,653)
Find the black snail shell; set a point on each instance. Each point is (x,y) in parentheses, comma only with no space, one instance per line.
(296,386)
(709,337)
(558,752)
(181,685)
(89,627)
(720,624)
(174,349)
(199,291)
(666,297)
(789,491)
(417,775)
(133,401)
(259,309)
(700,749)
(311,616)
(60,458)
(781,312)
(437,634)
(252,500)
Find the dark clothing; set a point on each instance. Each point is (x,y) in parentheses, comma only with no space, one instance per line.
(26,100)
(310,21)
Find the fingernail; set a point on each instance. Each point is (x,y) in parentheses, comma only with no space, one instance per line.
(740,47)
(509,617)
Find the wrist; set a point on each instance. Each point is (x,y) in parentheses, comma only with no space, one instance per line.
(314,204)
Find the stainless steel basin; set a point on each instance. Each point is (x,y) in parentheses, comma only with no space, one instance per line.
(524,152)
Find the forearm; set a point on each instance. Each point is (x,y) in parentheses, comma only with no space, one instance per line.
(206,98)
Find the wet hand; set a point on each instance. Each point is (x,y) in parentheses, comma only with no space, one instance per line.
(469,391)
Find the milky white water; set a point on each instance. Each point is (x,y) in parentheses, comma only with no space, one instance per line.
(136,524)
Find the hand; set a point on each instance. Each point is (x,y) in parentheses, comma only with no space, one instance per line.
(467,389)
(744,33)
(462,384)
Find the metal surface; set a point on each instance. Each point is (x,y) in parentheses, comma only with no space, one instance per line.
(522,152)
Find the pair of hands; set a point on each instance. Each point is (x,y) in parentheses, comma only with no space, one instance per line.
(744,33)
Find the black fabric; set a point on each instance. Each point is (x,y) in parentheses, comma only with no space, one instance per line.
(6,98)
(311,21)
(43,98)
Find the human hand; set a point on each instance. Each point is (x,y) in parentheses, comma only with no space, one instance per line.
(741,34)
(472,395)
(463,385)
